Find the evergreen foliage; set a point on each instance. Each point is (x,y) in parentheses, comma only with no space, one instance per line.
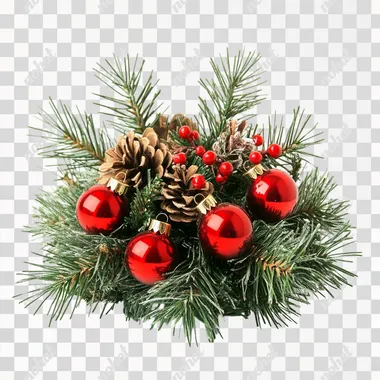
(288,262)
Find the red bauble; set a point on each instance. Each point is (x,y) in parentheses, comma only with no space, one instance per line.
(100,210)
(274,150)
(180,158)
(225,231)
(209,158)
(255,157)
(185,132)
(226,169)
(150,255)
(272,195)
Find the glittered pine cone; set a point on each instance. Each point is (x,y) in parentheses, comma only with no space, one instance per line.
(232,146)
(133,156)
(179,194)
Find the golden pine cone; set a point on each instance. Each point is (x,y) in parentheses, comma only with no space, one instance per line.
(179,194)
(133,156)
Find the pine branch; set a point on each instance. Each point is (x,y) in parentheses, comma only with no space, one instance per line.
(75,265)
(73,138)
(143,207)
(314,203)
(295,141)
(189,293)
(134,103)
(310,262)
(234,91)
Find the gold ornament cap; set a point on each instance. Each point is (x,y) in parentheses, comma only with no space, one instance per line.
(117,186)
(254,172)
(206,204)
(158,226)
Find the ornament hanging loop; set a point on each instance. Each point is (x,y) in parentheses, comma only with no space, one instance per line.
(158,226)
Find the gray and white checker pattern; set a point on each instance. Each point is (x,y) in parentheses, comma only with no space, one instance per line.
(323,55)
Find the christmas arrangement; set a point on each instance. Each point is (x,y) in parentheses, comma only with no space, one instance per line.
(186,219)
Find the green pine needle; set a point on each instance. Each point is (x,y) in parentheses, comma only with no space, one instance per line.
(134,104)
(234,91)
(72,138)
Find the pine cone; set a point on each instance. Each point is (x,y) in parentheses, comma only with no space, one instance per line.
(133,156)
(163,126)
(179,194)
(232,146)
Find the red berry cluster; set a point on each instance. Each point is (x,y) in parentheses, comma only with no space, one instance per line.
(186,133)
(209,158)
(274,150)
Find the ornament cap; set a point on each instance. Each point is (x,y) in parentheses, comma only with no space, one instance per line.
(158,226)
(254,172)
(117,186)
(206,204)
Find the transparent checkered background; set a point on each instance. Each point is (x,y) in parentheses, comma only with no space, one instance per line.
(302,43)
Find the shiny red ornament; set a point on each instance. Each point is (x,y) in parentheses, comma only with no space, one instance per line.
(255,157)
(180,158)
(185,132)
(198,182)
(274,150)
(226,169)
(151,254)
(272,195)
(209,158)
(101,210)
(225,231)
(258,140)
(200,151)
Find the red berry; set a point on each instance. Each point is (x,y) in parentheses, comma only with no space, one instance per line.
(195,135)
(258,140)
(226,169)
(200,150)
(274,150)
(180,158)
(209,158)
(198,182)
(255,158)
(220,179)
(185,132)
